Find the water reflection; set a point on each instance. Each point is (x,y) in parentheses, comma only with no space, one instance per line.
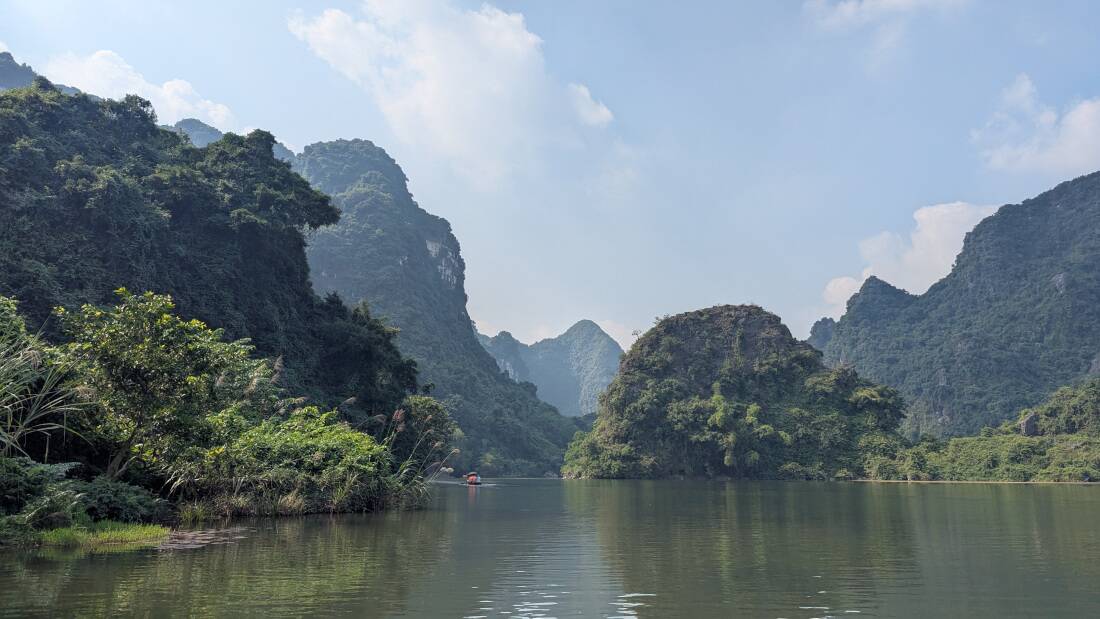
(546,548)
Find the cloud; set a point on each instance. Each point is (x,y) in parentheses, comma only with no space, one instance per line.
(912,263)
(1026,135)
(852,14)
(469,86)
(4,47)
(106,74)
(888,20)
(590,111)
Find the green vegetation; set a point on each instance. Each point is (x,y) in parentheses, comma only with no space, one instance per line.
(169,407)
(1058,440)
(160,399)
(570,371)
(727,392)
(97,197)
(104,534)
(1017,317)
(407,263)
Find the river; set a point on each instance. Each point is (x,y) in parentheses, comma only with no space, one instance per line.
(553,548)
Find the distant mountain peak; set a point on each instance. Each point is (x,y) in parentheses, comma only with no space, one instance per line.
(570,370)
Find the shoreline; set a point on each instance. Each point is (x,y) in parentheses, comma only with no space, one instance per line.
(974,481)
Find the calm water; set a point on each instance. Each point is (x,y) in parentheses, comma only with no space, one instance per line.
(548,548)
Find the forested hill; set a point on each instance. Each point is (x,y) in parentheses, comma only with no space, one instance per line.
(728,392)
(202,134)
(570,370)
(407,263)
(1017,317)
(94,197)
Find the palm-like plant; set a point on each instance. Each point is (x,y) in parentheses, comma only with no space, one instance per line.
(34,398)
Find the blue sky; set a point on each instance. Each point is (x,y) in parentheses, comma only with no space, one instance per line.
(622,160)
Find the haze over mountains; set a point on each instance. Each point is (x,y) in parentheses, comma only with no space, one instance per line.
(570,370)
(1015,319)
(407,264)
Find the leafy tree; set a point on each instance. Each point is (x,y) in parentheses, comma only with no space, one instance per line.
(159,382)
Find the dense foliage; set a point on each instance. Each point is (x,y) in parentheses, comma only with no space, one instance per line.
(1017,316)
(95,196)
(158,399)
(1058,440)
(173,409)
(726,391)
(570,370)
(406,262)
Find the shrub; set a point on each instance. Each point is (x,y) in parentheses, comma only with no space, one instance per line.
(307,462)
(106,499)
(18,484)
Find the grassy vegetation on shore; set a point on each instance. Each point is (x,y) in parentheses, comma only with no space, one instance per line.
(104,533)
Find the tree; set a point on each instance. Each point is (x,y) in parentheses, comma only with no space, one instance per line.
(159,382)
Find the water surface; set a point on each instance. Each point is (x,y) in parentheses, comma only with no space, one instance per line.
(551,548)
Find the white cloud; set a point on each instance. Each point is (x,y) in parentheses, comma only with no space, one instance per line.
(106,74)
(912,263)
(888,20)
(469,86)
(589,110)
(851,14)
(4,47)
(1026,135)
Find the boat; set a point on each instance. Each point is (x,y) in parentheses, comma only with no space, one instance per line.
(473,479)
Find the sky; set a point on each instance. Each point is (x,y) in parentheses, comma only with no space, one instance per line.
(619,160)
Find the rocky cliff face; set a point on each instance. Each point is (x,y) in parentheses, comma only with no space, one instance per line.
(16,75)
(570,370)
(408,265)
(727,391)
(821,333)
(1017,317)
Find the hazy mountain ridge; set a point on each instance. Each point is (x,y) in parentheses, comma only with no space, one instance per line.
(16,75)
(570,370)
(1016,318)
(408,264)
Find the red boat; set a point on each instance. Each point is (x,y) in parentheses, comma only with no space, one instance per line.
(473,479)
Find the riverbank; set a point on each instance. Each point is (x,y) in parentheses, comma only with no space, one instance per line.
(975,481)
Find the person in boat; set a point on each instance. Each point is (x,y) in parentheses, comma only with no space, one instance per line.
(472,478)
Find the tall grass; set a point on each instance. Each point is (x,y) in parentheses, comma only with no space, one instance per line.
(34,397)
(104,533)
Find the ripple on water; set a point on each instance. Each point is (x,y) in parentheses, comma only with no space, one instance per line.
(185,540)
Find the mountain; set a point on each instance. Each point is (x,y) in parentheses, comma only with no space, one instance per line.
(821,333)
(94,197)
(1017,317)
(15,75)
(728,392)
(408,264)
(202,134)
(570,370)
